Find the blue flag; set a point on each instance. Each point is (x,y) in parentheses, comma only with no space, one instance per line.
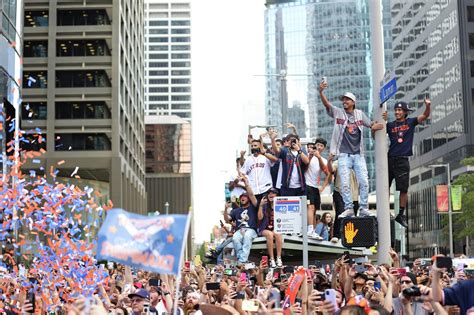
(150,243)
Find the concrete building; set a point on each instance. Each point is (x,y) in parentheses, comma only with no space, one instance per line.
(433,55)
(11,39)
(83,83)
(309,39)
(168,58)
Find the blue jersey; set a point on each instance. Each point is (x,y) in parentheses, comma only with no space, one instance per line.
(245,217)
(401,137)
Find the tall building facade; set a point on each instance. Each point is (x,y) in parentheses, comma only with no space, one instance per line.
(11,40)
(83,84)
(168,58)
(168,107)
(433,56)
(309,39)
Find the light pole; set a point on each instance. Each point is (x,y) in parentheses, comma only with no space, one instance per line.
(167,207)
(450,209)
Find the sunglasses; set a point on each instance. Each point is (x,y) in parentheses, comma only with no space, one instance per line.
(406,281)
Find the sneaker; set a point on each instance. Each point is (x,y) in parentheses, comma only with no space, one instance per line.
(334,240)
(347,213)
(272,263)
(279,263)
(364,213)
(212,254)
(402,220)
(315,236)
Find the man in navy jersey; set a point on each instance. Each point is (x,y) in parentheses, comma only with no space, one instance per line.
(401,131)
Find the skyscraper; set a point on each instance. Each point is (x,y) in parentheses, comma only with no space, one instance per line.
(310,39)
(83,86)
(168,105)
(168,58)
(433,44)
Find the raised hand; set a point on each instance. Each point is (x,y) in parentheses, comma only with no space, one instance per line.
(350,233)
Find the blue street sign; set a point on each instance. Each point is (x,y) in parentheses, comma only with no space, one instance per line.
(388,90)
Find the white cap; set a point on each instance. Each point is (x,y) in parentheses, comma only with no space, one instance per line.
(348,95)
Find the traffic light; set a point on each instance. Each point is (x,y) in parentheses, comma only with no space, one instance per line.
(359,231)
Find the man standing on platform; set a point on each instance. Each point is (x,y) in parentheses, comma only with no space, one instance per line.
(401,131)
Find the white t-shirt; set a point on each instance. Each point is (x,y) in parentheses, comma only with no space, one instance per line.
(313,174)
(295,178)
(258,173)
(160,307)
(280,174)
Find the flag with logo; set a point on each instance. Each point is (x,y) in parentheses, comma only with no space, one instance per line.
(150,243)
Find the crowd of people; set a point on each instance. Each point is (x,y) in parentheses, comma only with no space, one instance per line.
(347,285)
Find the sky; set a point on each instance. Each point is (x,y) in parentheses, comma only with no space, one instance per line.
(227,53)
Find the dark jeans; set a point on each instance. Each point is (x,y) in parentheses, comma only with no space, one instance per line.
(339,207)
(220,250)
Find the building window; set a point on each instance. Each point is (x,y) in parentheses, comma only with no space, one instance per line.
(184,64)
(36,18)
(180,72)
(9,19)
(35,79)
(82,142)
(71,48)
(158,90)
(472,68)
(158,39)
(470,13)
(33,142)
(158,98)
(180,56)
(82,17)
(87,78)
(158,73)
(181,47)
(158,31)
(34,110)
(180,23)
(158,81)
(471,40)
(183,115)
(158,65)
(180,39)
(35,48)
(158,56)
(82,110)
(158,23)
(181,89)
(180,98)
(180,31)
(181,81)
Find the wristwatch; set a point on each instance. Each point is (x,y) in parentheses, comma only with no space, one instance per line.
(300,151)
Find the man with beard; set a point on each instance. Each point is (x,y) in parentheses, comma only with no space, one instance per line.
(347,143)
(245,219)
(257,168)
(400,132)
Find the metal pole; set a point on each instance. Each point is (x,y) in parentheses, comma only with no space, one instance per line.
(167,207)
(382,189)
(304,229)
(284,106)
(450,213)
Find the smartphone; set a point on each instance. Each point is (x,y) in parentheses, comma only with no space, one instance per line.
(461,267)
(187,264)
(146,308)
(377,285)
(318,264)
(228,272)
(324,80)
(401,271)
(243,277)
(250,305)
(283,277)
(31,298)
(265,260)
(330,295)
(110,265)
(444,262)
(213,286)
(154,282)
(348,257)
(239,296)
(360,268)
(276,275)
(249,266)
(276,297)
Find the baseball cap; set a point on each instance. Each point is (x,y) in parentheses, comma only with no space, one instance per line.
(403,106)
(140,293)
(273,190)
(348,95)
(361,275)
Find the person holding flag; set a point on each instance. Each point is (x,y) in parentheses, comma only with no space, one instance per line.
(401,132)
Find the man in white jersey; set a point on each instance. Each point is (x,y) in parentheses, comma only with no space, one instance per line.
(257,169)
(317,166)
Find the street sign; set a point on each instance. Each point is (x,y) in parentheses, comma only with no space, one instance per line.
(388,90)
(359,232)
(287,218)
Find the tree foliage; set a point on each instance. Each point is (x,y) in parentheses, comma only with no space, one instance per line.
(464,222)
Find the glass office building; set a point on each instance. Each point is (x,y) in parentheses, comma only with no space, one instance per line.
(433,49)
(309,39)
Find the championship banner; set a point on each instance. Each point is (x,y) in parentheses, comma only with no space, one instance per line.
(442,198)
(456,197)
(292,290)
(149,243)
